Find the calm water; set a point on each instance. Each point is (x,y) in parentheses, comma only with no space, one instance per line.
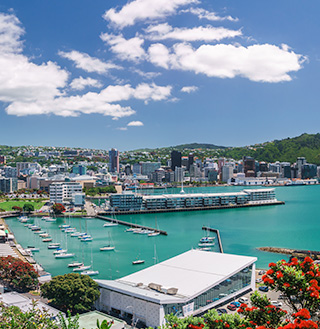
(294,225)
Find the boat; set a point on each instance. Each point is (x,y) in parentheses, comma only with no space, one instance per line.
(107,248)
(70,230)
(110,224)
(50,219)
(86,239)
(75,264)
(23,219)
(81,268)
(154,234)
(44,235)
(206,244)
(33,249)
(204,249)
(53,245)
(146,232)
(207,239)
(138,261)
(131,229)
(90,273)
(82,235)
(64,226)
(47,240)
(60,251)
(64,255)
(35,228)
(39,232)
(75,234)
(136,230)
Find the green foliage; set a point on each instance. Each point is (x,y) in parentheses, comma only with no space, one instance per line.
(8,205)
(72,291)
(104,324)
(28,207)
(18,274)
(69,322)
(12,317)
(92,191)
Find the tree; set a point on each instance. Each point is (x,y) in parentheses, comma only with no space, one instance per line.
(18,274)
(17,208)
(299,283)
(72,291)
(28,207)
(58,208)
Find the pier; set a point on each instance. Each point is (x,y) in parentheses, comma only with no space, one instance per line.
(299,253)
(122,222)
(218,235)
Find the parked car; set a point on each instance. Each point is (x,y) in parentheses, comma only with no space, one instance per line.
(264,288)
(243,300)
(261,272)
(276,303)
(222,310)
(231,307)
(258,280)
(236,304)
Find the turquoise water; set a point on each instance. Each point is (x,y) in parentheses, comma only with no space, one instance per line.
(293,225)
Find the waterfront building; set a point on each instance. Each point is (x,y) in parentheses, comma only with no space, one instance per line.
(300,162)
(263,166)
(169,176)
(158,176)
(221,163)
(127,169)
(148,167)
(62,192)
(188,284)
(79,169)
(178,174)
(285,170)
(184,161)
(8,185)
(125,202)
(78,199)
(308,170)
(114,160)
(175,159)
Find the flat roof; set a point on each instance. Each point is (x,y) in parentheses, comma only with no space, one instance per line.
(192,273)
(89,320)
(259,190)
(193,195)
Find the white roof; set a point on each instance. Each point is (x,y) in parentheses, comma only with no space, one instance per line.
(259,190)
(192,273)
(194,195)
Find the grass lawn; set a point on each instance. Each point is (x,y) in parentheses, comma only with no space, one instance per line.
(7,205)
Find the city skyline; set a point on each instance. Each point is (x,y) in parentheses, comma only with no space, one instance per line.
(129,75)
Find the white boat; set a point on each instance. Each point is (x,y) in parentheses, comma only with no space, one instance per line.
(204,249)
(47,240)
(138,261)
(75,234)
(110,224)
(207,239)
(82,235)
(206,244)
(146,232)
(136,230)
(33,249)
(90,273)
(39,232)
(86,239)
(75,264)
(60,251)
(64,226)
(131,229)
(107,248)
(35,228)
(44,235)
(70,230)
(154,234)
(51,220)
(23,219)
(53,245)
(81,268)
(62,255)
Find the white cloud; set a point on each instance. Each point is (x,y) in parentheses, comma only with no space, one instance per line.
(87,63)
(189,89)
(10,33)
(80,83)
(122,128)
(159,55)
(209,33)
(141,10)
(135,124)
(211,16)
(261,63)
(147,75)
(126,49)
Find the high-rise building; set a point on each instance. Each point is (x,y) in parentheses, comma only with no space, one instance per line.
(79,170)
(179,174)
(249,165)
(175,159)
(136,168)
(8,185)
(190,160)
(114,160)
(148,167)
(308,170)
(226,173)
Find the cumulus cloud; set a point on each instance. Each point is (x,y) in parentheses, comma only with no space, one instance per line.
(10,33)
(141,10)
(209,33)
(147,75)
(80,83)
(189,89)
(135,124)
(87,63)
(122,128)
(159,55)
(126,49)
(261,63)
(210,16)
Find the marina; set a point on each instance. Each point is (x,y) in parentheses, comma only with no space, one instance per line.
(241,231)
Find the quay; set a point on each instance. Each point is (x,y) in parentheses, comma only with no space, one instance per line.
(299,253)
(122,222)
(206,228)
(153,211)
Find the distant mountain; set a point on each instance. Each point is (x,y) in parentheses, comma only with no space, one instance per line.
(198,146)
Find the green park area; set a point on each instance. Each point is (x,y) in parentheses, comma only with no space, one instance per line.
(7,205)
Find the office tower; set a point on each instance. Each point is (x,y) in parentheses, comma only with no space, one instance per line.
(114,160)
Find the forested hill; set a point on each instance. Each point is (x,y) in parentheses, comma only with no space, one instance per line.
(198,146)
(306,145)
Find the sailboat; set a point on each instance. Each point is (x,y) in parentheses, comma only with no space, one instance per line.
(90,272)
(138,261)
(108,247)
(154,233)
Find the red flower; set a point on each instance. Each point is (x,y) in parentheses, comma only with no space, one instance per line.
(279,275)
(286,284)
(272,265)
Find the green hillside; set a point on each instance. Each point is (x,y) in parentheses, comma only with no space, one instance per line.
(198,146)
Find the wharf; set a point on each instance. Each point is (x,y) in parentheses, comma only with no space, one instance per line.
(122,222)
(206,228)
(152,211)
(299,253)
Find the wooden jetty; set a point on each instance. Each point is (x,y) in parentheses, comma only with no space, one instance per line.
(218,235)
(133,225)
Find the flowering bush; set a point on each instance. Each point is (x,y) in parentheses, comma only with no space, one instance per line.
(18,274)
(58,208)
(299,283)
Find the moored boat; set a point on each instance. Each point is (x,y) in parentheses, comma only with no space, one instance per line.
(75,264)
(138,261)
(206,244)
(107,248)
(90,273)
(81,268)
(47,240)
(63,255)
(154,234)
(53,245)
(110,224)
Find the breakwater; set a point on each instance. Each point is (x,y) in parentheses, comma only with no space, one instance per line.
(300,253)
(154,211)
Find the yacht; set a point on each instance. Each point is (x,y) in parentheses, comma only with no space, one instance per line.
(154,234)
(90,273)
(60,251)
(110,224)
(63,255)
(75,264)
(47,240)
(81,268)
(138,261)
(54,245)
(107,248)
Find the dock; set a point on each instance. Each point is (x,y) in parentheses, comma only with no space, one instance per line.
(299,253)
(122,222)
(218,235)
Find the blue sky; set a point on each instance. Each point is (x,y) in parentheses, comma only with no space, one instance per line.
(146,73)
